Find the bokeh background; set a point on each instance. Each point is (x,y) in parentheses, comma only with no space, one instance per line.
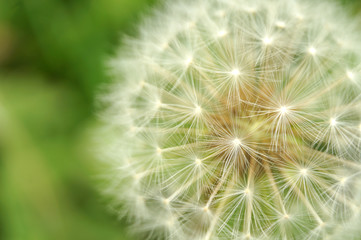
(52,55)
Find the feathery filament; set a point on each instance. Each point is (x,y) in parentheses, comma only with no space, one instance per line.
(238,119)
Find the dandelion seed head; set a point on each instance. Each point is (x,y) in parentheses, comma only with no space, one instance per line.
(267,40)
(158,104)
(221,33)
(198,110)
(166,201)
(350,75)
(235,72)
(283,110)
(343,181)
(312,51)
(281,24)
(333,122)
(159,151)
(188,61)
(236,142)
(304,171)
(236,119)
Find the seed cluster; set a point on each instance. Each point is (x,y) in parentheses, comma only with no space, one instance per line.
(237,119)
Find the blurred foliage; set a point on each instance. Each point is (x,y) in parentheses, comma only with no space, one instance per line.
(51,65)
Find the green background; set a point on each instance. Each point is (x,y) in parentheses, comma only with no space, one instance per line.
(52,55)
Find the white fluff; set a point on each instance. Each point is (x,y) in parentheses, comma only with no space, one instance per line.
(237,119)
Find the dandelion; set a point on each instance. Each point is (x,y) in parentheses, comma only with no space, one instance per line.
(237,119)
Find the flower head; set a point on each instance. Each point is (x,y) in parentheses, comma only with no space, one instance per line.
(238,119)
